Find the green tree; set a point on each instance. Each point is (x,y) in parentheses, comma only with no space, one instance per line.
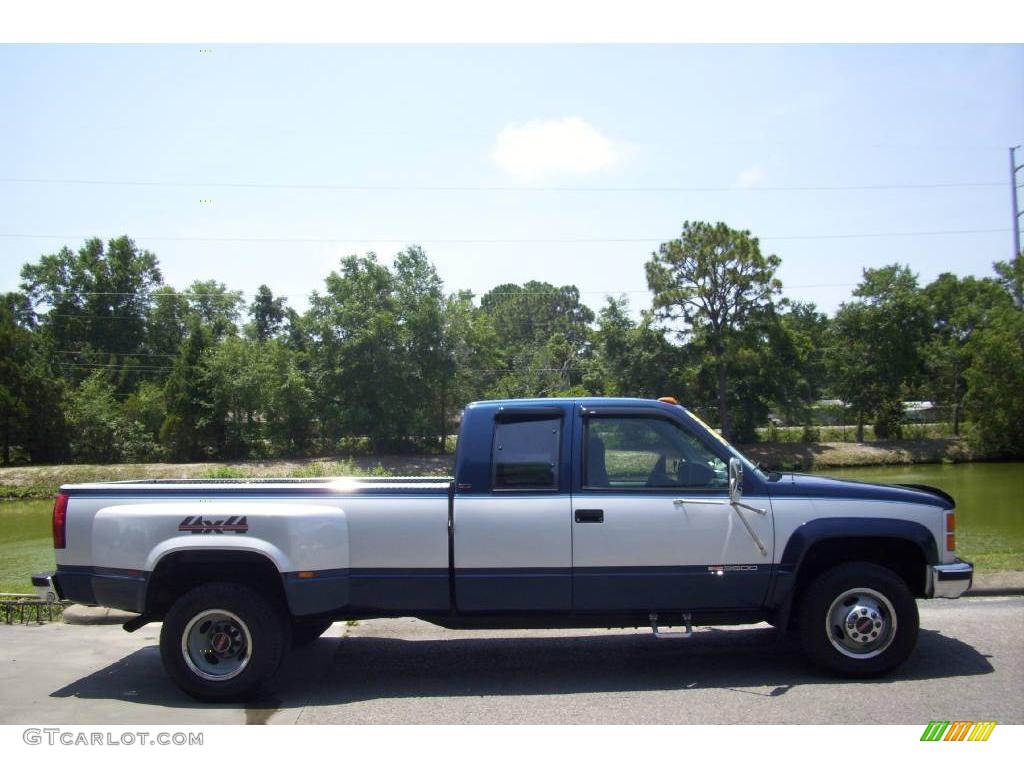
(288,403)
(185,433)
(1011,277)
(297,335)
(550,369)
(166,324)
(875,348)
(543,334)
(471,350)
(215,306)
(958,308)
(98,428)
(994,391)
(767,374)
(30,393)
(268,313)
(850,357)
(806,333)
(429,364)
(147,406)
(16,379)
(713,281)
(357,360)
(235,377)
(531,313)
(763,375)
(633,359)
(96,305)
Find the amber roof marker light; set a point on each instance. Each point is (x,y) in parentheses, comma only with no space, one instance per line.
(668,399)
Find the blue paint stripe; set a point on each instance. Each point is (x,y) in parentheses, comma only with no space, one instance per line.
(110,573)
(668,570)
(504,573)
(442,573)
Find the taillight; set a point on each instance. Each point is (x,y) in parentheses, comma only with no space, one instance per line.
(950,531)
(60,521)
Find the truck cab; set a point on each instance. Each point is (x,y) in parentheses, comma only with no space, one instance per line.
(604,506)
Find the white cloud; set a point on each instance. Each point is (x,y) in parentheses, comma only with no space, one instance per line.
(540,149)
(751,177)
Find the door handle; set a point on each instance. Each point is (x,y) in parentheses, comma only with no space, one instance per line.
(589,515)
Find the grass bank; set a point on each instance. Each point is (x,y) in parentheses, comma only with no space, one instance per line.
(990,553)
(39,482)
(788,456)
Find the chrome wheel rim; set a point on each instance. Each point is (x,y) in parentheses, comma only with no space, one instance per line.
(216,644)
(861,623)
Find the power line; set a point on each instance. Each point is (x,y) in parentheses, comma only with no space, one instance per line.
(127,367)
(105,352)
(500,188)
(565,369)
(529,322)
(161,294)
(507,241)
(96,317)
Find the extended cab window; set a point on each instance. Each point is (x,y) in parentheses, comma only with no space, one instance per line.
(630,452)
(526,454)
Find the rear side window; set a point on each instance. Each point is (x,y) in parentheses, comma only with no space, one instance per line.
(525,455)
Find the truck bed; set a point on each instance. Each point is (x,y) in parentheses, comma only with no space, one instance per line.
(369,541)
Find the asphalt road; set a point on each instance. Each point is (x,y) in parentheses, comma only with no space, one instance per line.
(968,665)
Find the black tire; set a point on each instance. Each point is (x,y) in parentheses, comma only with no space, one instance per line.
(306,631)
(858,620)
(222,642)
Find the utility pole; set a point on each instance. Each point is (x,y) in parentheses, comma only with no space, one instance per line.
(1013,197)
(1014,268)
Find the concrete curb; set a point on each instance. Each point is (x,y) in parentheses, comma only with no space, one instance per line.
(1000,583)
(86,614)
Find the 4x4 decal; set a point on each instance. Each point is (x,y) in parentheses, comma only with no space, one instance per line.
(197,524)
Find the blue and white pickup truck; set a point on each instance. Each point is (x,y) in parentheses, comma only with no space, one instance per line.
(585,512)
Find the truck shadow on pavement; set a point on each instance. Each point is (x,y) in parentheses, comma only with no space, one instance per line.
(334,671)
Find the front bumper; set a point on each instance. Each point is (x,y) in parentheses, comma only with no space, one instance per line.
(950,580)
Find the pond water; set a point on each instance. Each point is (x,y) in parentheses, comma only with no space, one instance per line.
(989,497)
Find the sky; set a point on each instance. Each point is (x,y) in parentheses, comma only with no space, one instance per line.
(253,164)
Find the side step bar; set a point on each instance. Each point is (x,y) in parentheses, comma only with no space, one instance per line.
(666,635)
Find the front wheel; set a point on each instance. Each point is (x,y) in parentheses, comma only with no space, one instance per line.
(858,619)
(221,642)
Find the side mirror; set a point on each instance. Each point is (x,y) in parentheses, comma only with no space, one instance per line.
(735,480)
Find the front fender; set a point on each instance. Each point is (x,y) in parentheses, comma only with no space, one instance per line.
(807,535)
(822,529)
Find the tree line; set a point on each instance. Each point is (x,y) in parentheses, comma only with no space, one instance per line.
(102,361)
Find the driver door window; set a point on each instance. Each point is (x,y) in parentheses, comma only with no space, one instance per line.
(625,453)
